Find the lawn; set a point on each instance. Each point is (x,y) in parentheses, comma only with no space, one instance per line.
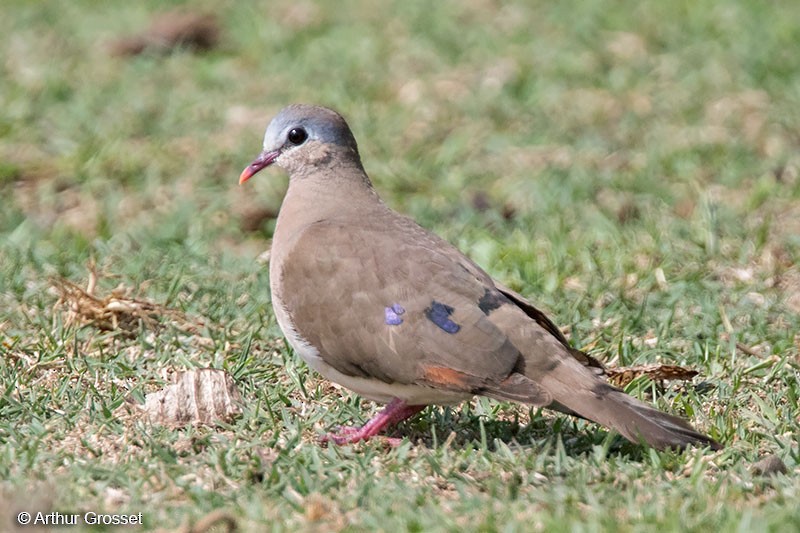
(633,167)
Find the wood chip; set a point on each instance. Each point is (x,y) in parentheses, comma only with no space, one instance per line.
(769,466)
(203,396)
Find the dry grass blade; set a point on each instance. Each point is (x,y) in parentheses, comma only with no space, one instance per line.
(117,310)
(111,312)
(217,520)
(622,376)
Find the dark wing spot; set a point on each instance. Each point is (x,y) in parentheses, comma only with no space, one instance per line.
(491,300)
(447,378)
(439,314)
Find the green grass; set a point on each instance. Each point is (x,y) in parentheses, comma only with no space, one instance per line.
(639,167)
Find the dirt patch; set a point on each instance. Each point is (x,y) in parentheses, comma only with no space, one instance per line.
(195,31)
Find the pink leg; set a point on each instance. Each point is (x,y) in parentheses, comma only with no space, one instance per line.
(394,412)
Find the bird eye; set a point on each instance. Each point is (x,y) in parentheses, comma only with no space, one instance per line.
(297,136)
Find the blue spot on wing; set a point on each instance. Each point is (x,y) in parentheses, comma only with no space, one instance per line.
(392,314)
(439,314)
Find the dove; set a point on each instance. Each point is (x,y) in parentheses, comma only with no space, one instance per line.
(372,301)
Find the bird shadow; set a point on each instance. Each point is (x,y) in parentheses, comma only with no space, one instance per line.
(464,428)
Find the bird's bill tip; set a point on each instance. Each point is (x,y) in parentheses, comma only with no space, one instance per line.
(261,162)
(246,174)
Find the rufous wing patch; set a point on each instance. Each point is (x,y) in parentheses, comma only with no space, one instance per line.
(515,387)
(450,379)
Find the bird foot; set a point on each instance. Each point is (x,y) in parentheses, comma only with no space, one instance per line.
(394,412)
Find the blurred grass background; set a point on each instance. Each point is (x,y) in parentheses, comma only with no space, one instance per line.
(631,166)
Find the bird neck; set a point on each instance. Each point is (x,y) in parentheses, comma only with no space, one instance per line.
(315,196)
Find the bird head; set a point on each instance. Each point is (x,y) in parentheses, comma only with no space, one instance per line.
(299,137)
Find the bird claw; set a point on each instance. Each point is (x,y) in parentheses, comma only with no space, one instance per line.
(350,435)
(342,435)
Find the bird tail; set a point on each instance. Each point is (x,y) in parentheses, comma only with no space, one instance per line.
(569,387)
(639,422)
(596,400)
(556,375)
